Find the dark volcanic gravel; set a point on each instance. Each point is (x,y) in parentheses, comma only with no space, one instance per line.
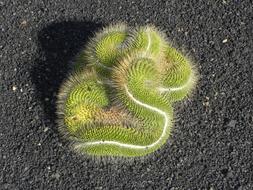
(212,144)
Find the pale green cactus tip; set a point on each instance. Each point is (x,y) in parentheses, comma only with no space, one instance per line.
(118,100)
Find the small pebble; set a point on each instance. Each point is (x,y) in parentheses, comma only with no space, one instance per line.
(14,88)
(23,23)
(225,41)
(206,103)
(46,129)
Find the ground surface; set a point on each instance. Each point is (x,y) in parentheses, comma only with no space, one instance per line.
(212,144)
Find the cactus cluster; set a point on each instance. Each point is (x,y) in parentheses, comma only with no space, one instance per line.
(118,99)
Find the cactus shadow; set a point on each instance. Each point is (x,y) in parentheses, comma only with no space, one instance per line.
(58,44)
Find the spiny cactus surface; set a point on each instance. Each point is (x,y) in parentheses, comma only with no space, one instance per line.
(118,99)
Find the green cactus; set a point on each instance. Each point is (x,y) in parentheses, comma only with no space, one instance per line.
(118,99)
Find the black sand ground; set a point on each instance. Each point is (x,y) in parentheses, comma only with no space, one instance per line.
(212,144)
